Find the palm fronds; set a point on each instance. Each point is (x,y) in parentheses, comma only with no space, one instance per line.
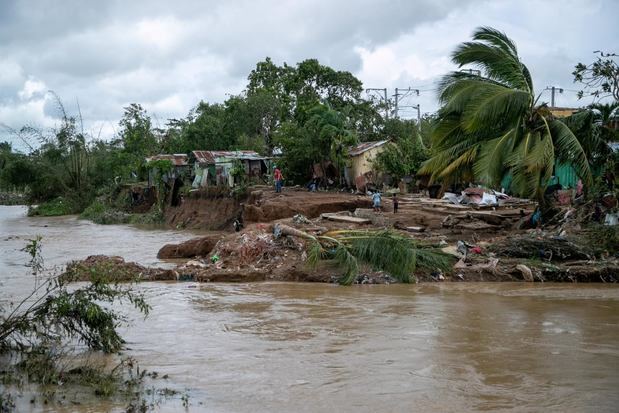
(489,124)
(384,250)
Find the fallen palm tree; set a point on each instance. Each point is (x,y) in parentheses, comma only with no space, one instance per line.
(385,250)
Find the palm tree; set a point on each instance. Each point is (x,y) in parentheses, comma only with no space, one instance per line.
(385,250)
(607,116)
(593,127)
(490,123)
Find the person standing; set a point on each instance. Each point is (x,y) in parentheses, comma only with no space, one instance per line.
(395,203)
(609,179)
(278,177)
(376,198)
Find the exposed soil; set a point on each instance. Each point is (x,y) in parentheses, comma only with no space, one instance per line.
(204,213)
(196,247)
(501,250)
(261,205)
(267,206)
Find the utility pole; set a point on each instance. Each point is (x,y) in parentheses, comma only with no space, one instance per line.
(553,90)
(418,114)
(405,93)
(380,91)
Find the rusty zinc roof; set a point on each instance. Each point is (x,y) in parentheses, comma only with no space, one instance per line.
(365,146)
(177,159)
(212,157)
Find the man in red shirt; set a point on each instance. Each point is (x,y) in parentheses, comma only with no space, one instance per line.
(279,178)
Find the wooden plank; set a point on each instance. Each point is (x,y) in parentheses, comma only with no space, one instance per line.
(445,212)
(489,217)
(415,229)
(345,218)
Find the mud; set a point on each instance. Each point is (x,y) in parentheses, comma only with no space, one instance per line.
(506,253)
(218,212)
(255,254)
(265,206)
(195,247)
(204,213)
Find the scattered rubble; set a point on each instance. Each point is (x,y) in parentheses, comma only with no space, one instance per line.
(485,231)
(345,218)
(543,247)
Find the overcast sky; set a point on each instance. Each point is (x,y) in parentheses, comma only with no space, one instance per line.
(170,55)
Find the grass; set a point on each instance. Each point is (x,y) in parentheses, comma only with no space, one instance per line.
(100,213)
(55,207)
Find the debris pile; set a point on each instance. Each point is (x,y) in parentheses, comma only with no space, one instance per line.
(251,247)
(544,247)
(114,269)
(483,197)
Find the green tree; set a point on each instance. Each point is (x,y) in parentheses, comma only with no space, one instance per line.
(490,123)
(204,129)
(136,131)
(600,79)
(16,170)
(607,116)
(402,157)
(323,136)
(595,130)
(297,89)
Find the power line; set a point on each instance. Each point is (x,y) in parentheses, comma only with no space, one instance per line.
(406,92)
(383,97)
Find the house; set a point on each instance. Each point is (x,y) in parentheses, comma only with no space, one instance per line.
(215,167)
(559,112)
(360,161)
(180,167)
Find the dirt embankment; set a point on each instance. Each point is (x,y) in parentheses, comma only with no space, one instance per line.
(257,255)
(487,242)
(195,247)
(218,212)
(266,206)
(204,213)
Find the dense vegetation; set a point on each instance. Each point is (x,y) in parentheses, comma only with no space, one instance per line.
(490,125)
(310,111)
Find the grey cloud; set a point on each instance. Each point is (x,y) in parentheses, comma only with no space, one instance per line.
(168,56)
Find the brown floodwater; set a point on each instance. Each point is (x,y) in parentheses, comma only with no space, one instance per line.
(453,347)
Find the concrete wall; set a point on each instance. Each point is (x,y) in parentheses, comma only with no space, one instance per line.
(362,163)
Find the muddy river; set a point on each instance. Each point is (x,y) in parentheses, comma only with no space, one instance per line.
(314,347)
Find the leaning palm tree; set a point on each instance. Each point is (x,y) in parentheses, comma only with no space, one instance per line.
(490,123)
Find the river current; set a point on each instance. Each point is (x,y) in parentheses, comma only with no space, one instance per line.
(292,347)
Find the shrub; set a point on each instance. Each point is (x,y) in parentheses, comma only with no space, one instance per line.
(56,207)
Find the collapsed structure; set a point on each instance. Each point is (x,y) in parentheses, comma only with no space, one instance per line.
(217,167)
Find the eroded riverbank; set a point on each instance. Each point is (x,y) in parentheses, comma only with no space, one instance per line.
(448,347)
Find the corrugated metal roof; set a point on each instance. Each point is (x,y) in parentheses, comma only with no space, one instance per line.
(178,159)
(211,157)
(365,146)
